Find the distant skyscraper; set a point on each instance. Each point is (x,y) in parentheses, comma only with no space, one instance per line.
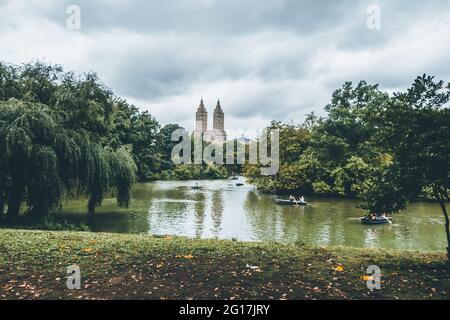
(217,134)
(201,118)
(218,122)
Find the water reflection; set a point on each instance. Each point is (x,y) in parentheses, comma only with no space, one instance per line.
(199,209)
(223,210)
(217,211)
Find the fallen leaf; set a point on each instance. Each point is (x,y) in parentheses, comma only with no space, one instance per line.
(366,278)
(188,256)
(339,269)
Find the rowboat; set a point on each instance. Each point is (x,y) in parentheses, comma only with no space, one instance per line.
(239,184)
(290,202)
(196,187)
(366,220)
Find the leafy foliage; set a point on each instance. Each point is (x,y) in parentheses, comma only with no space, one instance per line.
(195,172)
(332,155)
(415,130)
(68,135)
(43,161)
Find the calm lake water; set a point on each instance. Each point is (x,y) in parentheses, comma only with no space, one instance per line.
(223,210)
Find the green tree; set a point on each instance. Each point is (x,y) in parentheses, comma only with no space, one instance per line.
(381,193)
(9,82)
(84,103)
(42,161)
(415,130)
(140,131)
(145,143)
(332,154)
(166,145)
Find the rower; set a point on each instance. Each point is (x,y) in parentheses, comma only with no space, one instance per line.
(292,199)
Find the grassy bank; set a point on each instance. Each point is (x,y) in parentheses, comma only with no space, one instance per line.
(33,266)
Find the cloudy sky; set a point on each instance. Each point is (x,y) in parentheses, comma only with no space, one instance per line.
(264,59)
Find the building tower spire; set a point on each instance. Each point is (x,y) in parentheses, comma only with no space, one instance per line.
(201,118)
(218,122)
(217,134)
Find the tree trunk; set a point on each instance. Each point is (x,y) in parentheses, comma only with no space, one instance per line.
(447,227)
(92,203)
(14,201)
(441,195)
(2,205)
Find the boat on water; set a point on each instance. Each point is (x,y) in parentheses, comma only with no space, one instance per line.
(366,220)
(196,187)
(239,184)
(290,202)
(234,178)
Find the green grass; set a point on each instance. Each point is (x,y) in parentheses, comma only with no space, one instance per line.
(116,266)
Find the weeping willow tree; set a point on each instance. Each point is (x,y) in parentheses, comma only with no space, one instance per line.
(104,169)
(123,174)
(42,161)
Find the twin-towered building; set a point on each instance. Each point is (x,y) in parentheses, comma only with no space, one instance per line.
(217,134)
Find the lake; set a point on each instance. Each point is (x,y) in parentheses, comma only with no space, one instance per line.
(223,210)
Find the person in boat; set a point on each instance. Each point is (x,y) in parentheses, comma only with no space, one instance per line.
(378,217)
(293,199)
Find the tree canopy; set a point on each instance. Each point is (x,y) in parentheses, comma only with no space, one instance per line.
(64,135)
(415,130)
(330,155)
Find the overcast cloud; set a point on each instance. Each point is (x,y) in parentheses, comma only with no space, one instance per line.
(264,59)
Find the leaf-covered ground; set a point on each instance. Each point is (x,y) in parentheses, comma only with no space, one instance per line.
(114,266)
